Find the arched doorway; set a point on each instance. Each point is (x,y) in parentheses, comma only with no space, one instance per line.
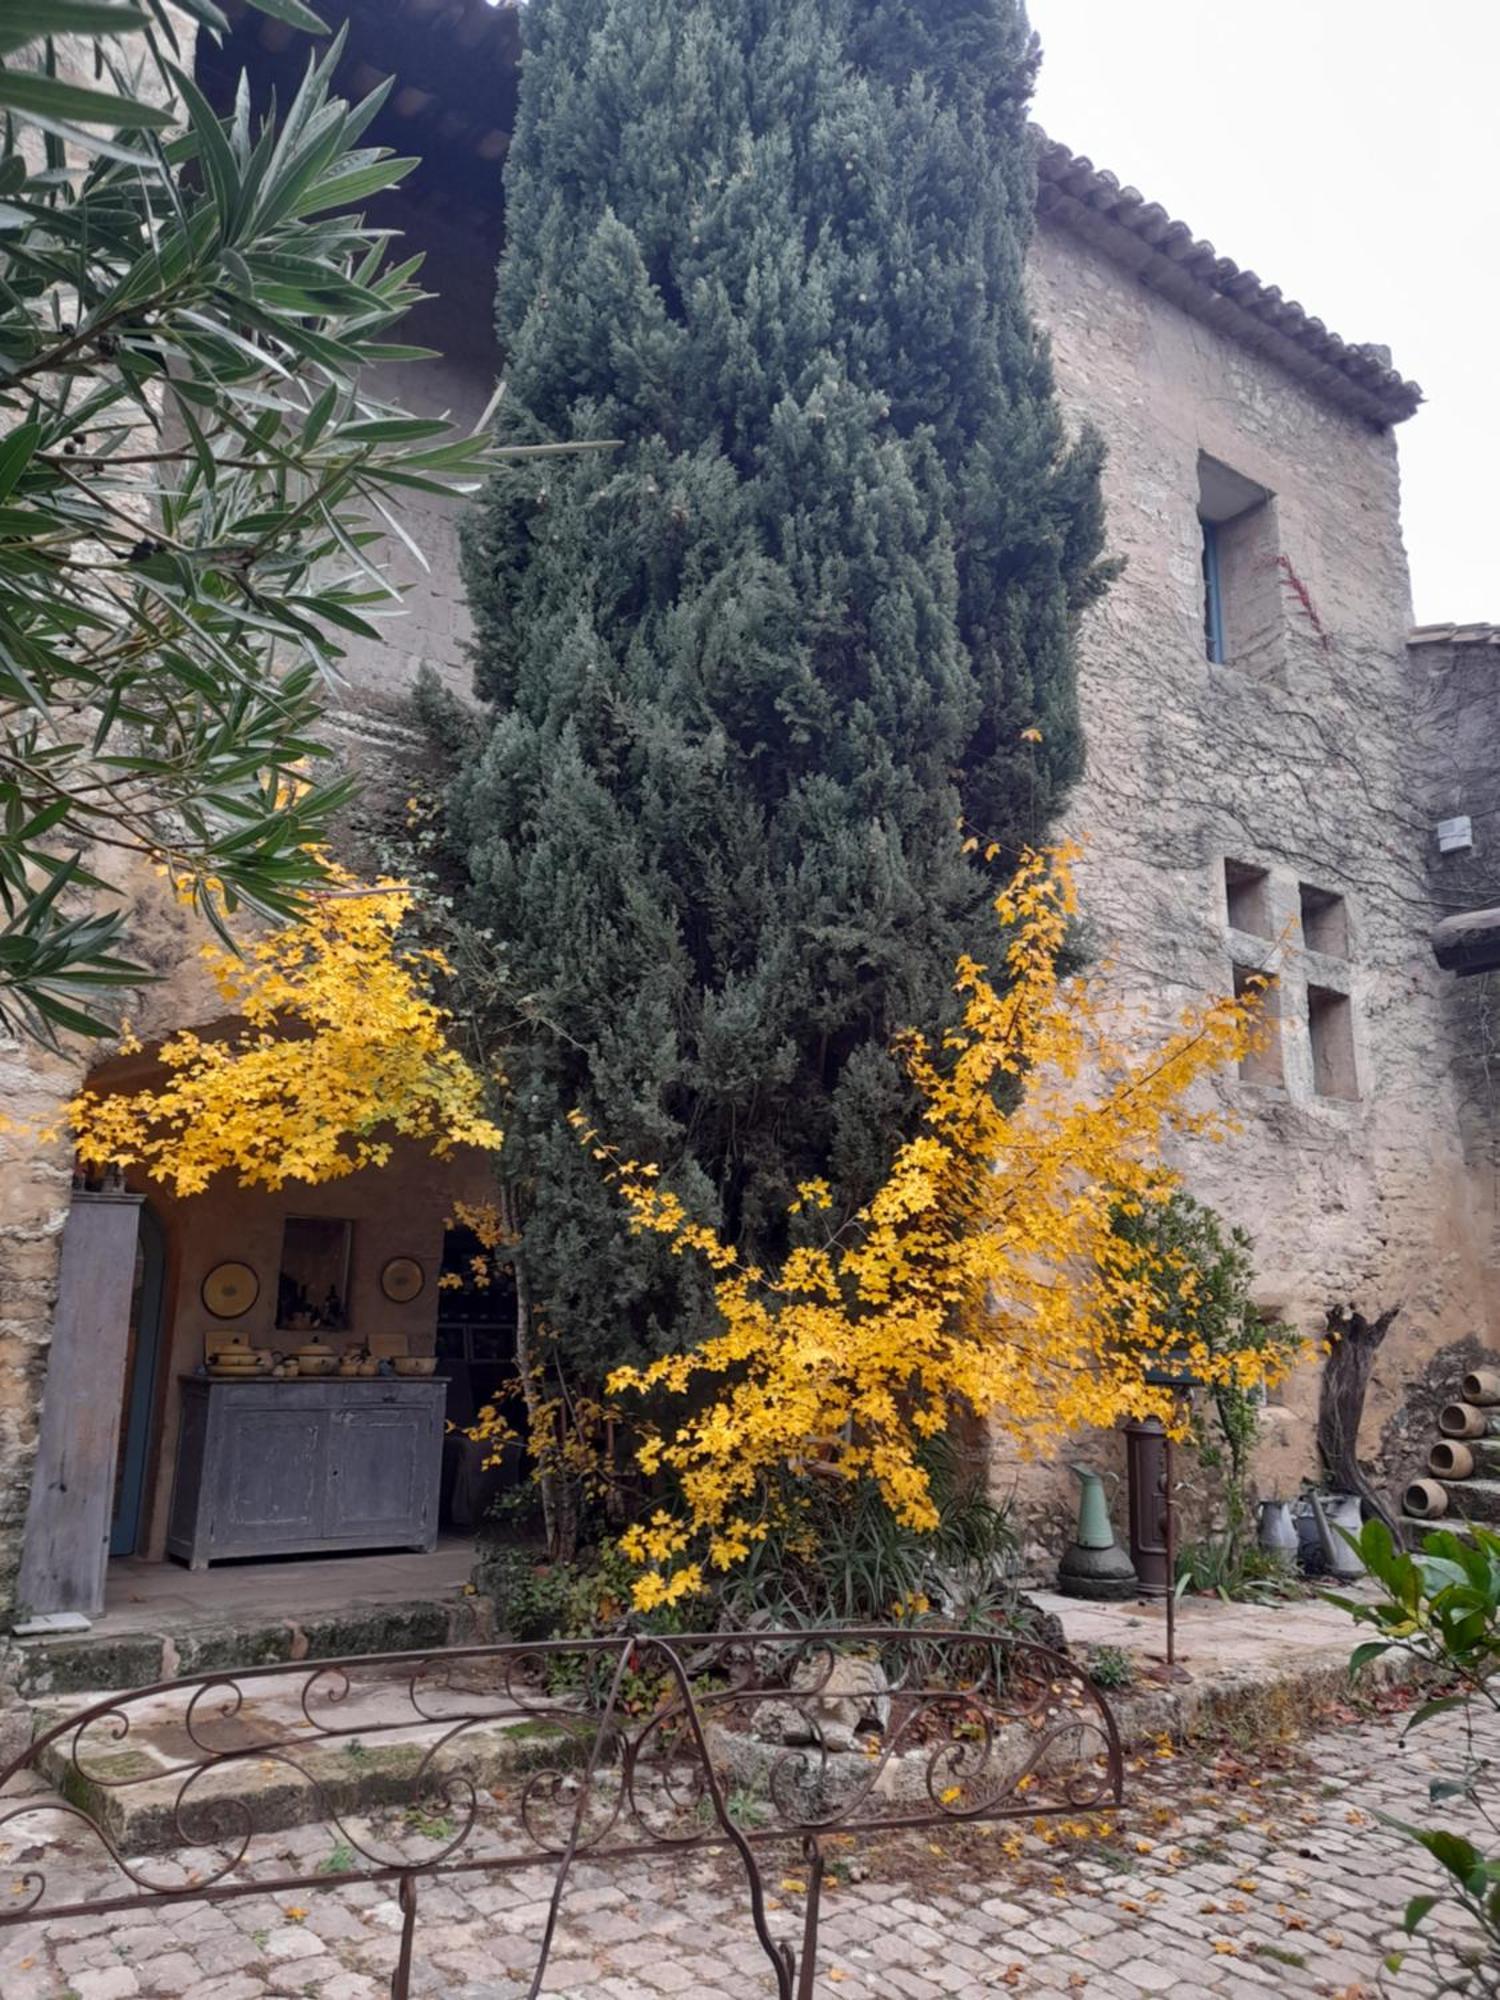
(138,1405)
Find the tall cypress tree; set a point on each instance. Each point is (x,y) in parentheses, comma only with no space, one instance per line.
(749,679)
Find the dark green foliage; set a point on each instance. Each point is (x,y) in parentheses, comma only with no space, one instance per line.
(751,677)
(838,1556)
(1110,1668)
(193,476)
(835,1556)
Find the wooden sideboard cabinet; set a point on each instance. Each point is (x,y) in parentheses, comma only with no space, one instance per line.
(316,1465)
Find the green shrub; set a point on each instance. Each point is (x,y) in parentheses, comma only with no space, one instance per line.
(1110,1668)
(586,1598)
(837,1556)
(1441,1607)
(1217,1308)
(1239,1572)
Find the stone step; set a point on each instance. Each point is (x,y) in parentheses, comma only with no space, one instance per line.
(1416,1527)
(101,1662)
(271,1768)
(1485,1453)
(1471,1500)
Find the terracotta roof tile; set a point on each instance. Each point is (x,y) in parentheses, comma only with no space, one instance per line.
(1165,254)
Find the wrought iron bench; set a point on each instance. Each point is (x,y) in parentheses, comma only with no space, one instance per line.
(506,1757)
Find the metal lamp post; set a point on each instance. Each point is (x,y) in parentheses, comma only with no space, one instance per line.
(1173,1373)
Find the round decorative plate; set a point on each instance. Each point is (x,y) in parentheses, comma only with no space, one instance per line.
(402,1279)
(230,1290)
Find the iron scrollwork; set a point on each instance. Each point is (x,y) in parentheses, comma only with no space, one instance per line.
(494,1759)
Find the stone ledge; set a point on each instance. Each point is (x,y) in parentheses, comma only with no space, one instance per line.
(100,1663)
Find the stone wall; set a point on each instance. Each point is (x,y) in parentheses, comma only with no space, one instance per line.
(1272,812)
(1455,687)
(1269,813)
(458,322)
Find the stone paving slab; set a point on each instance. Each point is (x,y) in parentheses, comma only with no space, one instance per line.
(1230,1879)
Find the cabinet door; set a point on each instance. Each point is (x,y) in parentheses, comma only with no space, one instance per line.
(382,1474)
(269,1486)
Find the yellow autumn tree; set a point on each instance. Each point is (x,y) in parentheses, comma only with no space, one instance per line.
(337,1048)
(985,1278)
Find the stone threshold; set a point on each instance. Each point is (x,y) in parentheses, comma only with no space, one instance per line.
(135,1788)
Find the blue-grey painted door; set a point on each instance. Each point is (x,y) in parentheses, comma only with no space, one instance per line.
(141,1365)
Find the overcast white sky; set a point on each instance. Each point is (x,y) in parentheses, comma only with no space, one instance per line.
(1349,152)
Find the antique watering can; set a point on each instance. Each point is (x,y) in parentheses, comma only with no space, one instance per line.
(1278,1531)
(1332,1512)
(1095,1566)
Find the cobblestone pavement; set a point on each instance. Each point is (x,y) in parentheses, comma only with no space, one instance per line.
(1231,1874)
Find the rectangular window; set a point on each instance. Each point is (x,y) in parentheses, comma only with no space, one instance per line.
(1330,1027)
(1247,897)
(1325,921)
(1262,1064)
(1242,609)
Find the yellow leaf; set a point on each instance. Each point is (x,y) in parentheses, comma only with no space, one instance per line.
(984,1277)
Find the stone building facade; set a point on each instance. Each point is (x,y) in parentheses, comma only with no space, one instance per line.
(1266,757)
(1259,796)
(1455,682)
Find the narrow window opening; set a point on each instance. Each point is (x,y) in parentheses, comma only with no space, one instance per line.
(1242,614)
(1247,896)
(1325,921)
(1330,1026)
(1263,1063)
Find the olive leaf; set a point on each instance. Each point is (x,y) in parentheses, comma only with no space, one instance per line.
(195,474)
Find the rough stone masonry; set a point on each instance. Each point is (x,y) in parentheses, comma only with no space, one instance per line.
(1271,808)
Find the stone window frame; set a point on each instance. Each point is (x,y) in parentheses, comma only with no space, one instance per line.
(1278,947)
(1243,615)
(1330,1033)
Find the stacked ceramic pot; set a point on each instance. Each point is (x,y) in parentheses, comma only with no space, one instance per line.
(1463,1467)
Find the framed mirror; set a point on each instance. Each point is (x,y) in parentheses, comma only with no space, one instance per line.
(312,1285)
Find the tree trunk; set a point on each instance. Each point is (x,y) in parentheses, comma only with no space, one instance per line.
(1354,1342)
(557,1512)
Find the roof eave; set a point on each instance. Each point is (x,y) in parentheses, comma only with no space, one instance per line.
(1454,635)
(1091,203)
